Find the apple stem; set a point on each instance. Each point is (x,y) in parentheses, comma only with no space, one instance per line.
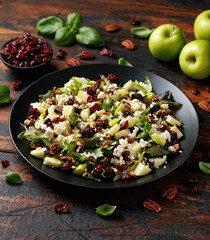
(171,33)
(192,59)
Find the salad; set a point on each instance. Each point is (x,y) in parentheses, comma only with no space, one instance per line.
(103,131)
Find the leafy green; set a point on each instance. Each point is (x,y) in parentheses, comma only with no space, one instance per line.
(63,36)
(144,87)
(75,88)
(74,20)
(105,209)
(69,148)
(141,32)
(97,152)
(4,93)
(91,142)
(47,95)
(13,178)
(204,167)
(156,151)
(107,150)
(90,37)
(171,103)
(73,119)
(34,136)
(90,176)
(48,26)
(124,62)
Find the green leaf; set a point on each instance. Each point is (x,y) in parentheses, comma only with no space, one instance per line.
(97,152)
(4,93)
(13,178)
(204,167)
(63,36)
(124,62)
(73,119)
(105,209)
(75,88)
(48,26)
(74,20)
(107,104)
(156,151)
(90,37)
(91,142)
(144,87)
(47,95)
(171,103)
(141,32)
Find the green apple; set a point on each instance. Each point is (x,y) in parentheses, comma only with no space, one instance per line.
(202,26)
(166,42)
(194,59)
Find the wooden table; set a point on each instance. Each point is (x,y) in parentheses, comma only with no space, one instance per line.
(26,211)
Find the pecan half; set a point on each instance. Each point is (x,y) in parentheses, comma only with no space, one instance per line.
(29,122)
(170,193)
(128,44)
(90,159)
(152,206)
(59,109)
(51,101)
(112,28)
(127,106)
(58,91)
(72,62)
(105,144)
(54,148)
(129,139)
(66,158)
(86,55)
(204,105)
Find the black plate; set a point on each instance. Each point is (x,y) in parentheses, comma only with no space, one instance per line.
(20,109)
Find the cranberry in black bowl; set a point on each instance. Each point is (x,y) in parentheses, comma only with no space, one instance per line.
(26,53)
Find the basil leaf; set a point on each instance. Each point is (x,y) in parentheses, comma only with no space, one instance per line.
(74,20)
(204,167)
(47,95)
(48,26)
(105,209)
(13,178)
(156,151)
(90,37)
(63,36)
(141,32)
(4,93)
(124,62)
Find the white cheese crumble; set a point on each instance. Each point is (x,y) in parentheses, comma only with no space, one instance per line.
(138,114)
(166,134)
(143,143)
(49,133)
(171,149)
(164,106)
(101,95)
(133,134)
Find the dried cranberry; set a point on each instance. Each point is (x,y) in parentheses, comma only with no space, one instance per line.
(61,208)
(33,113)
(96,85)
(193,189)
(125,155)
(112,77)
(172,113)
(87,131)
(106,52)
(195,91)
(48,122)
(136,96)
(164,127)
(55,119)
(151,165)
(66,166)
(109,171)
(135,22)
(61,50)
(59,55)
(90,91)
(5,163)
(125,177)
(105,123)
(147,104)
(95,107)
(93,98)
(17,85)
(79,148)
(173,135)
(125,125)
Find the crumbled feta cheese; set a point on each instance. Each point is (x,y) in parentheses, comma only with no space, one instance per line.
(58,129)
(133,134)
(49,133)
(84,85)
(142,94)
(121,148)
(164,106)
(120,113)
(171,149)
(138,114)
(92,117)
(166,134)
(117,103)
(62,99)
(143,106)
(51,108)
(101,95)
(143,143)
(40,125)
(152,104)
(68,84)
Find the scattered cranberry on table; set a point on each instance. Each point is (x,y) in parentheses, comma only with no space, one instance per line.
(17,85)
(5,163)
(61,208)
(106,52)
(60,54)
(26,51)
(195,91)
(135,21)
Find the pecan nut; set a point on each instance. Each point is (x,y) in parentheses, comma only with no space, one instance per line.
(170,193)
(128,44)
(204,105)
(59,109)
(86,55)
(129,139)
(90,159)
(112,28)
(29,122)
(152,206)
(72,62)
(58,91)
(54,148)
(51,101)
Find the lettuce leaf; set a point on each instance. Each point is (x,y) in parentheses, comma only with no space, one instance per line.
(144,87)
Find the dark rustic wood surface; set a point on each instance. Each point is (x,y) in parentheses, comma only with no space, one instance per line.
(26,211)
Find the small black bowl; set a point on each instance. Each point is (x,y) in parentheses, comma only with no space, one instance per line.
(29,69)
